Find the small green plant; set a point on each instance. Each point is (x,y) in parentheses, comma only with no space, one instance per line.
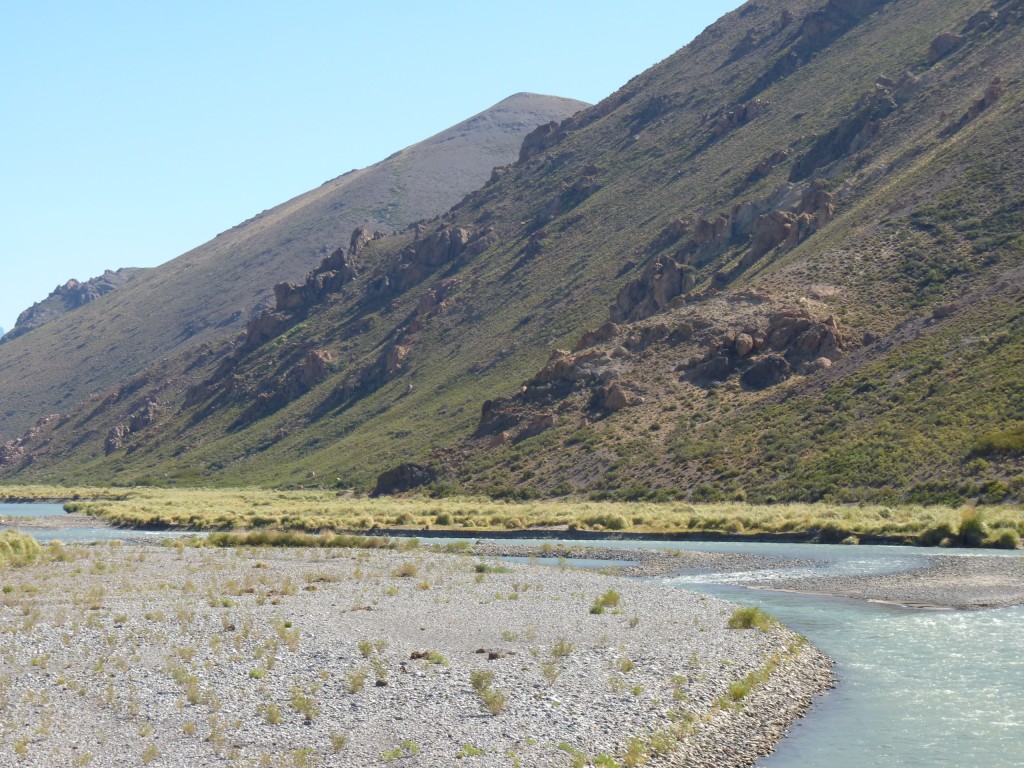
(355,680)
(562,647)
(304,704)
(272,715)
(577,759)
(405,749)
(150,753)
(481,679)
(338,741)
(468,750)
(550,671)
(436,657)
(494,700)
(406,571)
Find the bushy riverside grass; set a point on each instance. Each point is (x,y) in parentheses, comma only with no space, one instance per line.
(17,548)
(325,512)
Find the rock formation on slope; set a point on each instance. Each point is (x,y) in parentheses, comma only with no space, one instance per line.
(212,291)
(66,298)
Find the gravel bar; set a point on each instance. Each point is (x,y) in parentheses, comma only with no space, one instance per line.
(165,656)
(962,582)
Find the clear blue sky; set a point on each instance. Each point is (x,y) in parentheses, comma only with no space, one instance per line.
(132,132)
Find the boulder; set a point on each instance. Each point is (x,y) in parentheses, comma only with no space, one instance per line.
(360,237)
(772,230)
(315,367)
(662,281)
(144,417)
(611,397)
(942,45)
(115,439)
(404,477)
(767,372)
(744,344)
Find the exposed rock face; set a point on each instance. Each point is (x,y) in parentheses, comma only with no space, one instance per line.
(264,327)
(943,45)
(744,344)
(404,477)
(767,163)
(496,416)
(539,139)
(442,246)
(662,281)
(785,229)
(146,416)
(66,298)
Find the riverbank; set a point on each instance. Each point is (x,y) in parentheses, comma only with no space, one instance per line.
(159,655)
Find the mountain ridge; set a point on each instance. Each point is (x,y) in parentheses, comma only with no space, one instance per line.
(685,291)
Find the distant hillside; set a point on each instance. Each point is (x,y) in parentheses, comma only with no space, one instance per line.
(212,290)
(786,263)
(66,298)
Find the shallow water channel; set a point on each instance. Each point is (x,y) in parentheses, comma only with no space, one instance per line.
(942,689)
(916,688)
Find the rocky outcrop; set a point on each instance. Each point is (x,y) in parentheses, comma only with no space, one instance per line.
(737,116)
(314,368)
(767,163)
(116,439)
(142,418)
(612,397)
(818,29)
(570,196)
(785,229)
(539,139)
(662,281)
(404,477)
(425,255)
(850,134)
(766,372)
(66,298)
(943,45)
(265,326)
(793,340)
(330,277)
(991,95)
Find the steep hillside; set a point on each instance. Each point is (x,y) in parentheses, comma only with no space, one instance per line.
(785,263)
(66,298)
(212,290)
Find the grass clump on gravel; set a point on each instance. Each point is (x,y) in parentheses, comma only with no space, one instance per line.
(18,548)
(752,618)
